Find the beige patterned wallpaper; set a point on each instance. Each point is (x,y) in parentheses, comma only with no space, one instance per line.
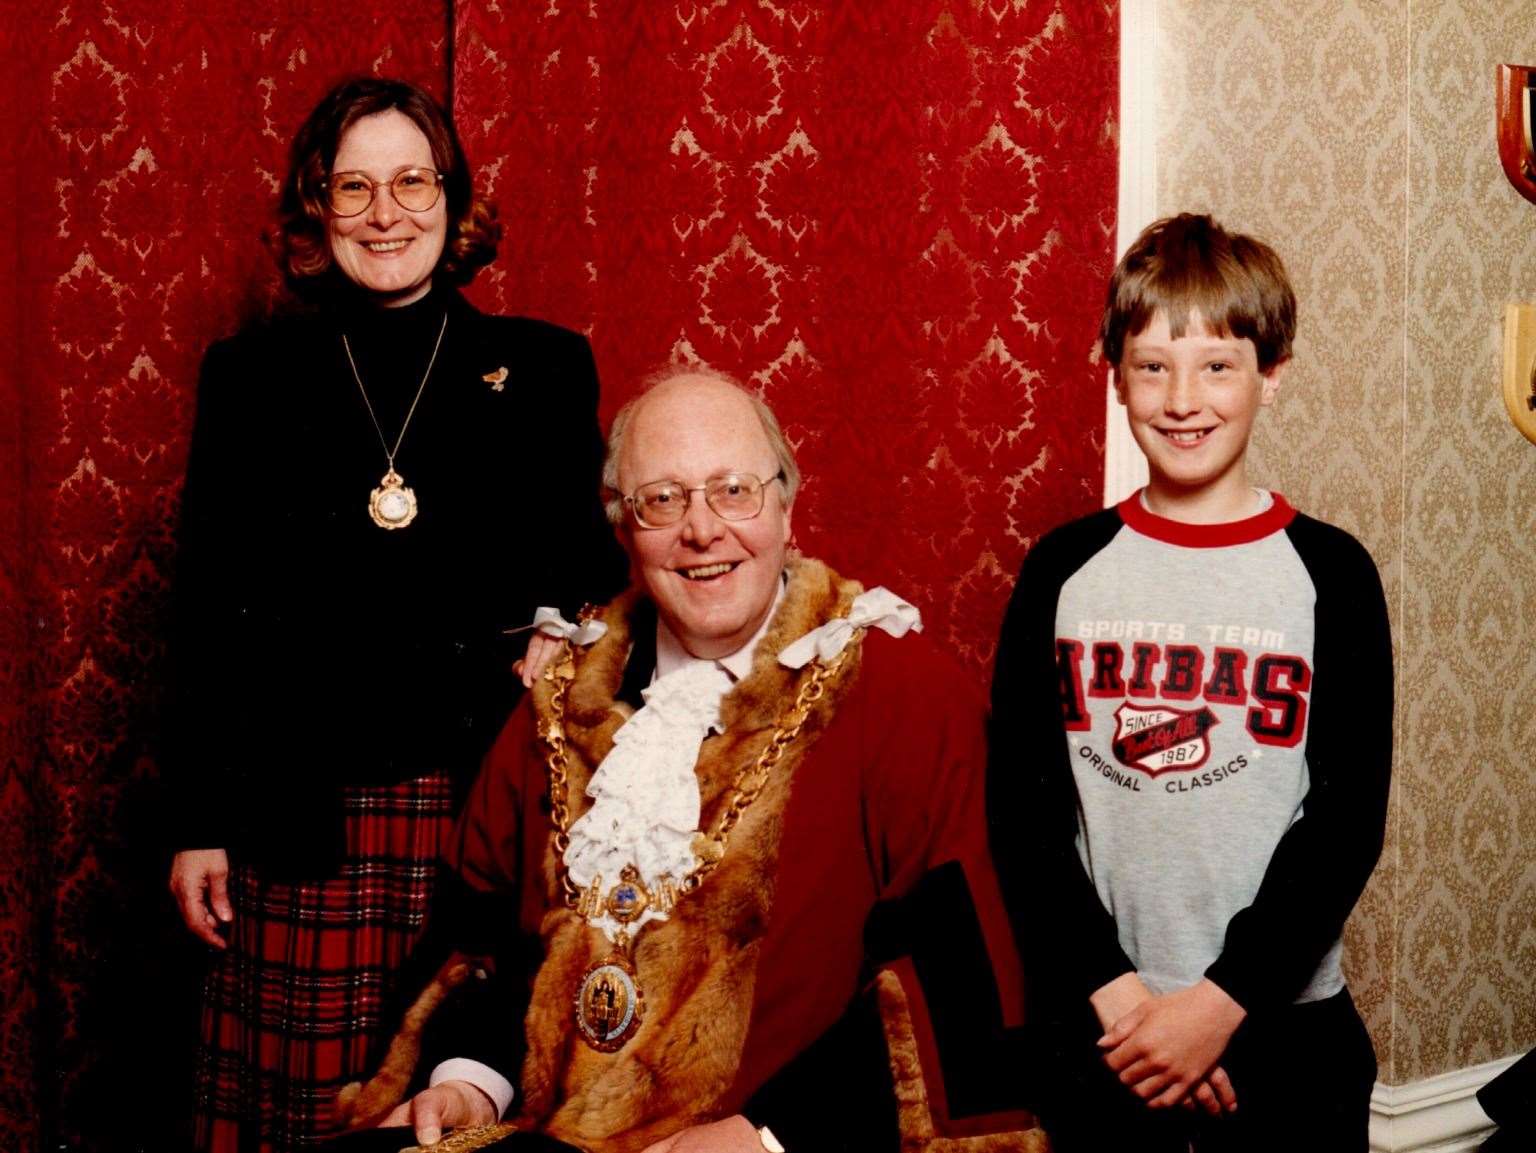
(1359,138)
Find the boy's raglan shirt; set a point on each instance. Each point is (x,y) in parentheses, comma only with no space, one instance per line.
(1192,749)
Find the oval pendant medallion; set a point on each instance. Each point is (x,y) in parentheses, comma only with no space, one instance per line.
(609,1004)
(392,504)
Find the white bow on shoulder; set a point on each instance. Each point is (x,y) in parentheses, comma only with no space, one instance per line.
(548,621)
(878,608)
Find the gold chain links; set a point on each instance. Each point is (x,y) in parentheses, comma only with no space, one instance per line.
(749,783)
(752,778)
(562,673)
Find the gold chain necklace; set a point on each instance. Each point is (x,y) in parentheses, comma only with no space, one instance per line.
(392,504)
(609,1003)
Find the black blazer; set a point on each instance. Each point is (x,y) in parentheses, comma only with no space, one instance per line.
(310,647)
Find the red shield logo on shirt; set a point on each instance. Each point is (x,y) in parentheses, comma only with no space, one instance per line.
(1161,740)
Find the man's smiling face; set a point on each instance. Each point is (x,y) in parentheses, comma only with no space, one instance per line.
(713,580)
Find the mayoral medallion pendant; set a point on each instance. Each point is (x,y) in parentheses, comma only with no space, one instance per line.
(609,1001)
(392,504)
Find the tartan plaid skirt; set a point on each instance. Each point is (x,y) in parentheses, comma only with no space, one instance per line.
(292,1009)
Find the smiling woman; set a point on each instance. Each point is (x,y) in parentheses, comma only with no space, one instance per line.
(387,219)
(340,658)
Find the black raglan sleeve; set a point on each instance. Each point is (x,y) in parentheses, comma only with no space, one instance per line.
(1323,861)
(1065,934)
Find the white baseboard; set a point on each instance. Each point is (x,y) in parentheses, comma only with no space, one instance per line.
(1437,1115)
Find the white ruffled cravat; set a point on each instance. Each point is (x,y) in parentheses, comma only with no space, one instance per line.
(645,809)
(645,794)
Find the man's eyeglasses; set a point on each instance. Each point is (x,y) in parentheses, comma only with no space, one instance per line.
(414,189)
(734,496)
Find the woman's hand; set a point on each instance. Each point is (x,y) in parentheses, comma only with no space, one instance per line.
(541,651)
(450,1105)
(200,884)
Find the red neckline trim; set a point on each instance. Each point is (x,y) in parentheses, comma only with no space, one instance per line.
(1272,520)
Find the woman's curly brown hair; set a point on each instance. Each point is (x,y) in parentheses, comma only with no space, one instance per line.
(300,243)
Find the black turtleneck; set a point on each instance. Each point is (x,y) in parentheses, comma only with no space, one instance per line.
(314,648)
(392,348)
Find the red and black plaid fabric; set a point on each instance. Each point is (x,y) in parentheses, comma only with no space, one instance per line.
(291,1009)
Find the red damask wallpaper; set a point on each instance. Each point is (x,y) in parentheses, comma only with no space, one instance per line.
(895,217)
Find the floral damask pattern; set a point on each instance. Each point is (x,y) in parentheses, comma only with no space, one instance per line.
(894,218)
(1360,137)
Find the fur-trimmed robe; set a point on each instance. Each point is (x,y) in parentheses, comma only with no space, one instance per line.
(881,793)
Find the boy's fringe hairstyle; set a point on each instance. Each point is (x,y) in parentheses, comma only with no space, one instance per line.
(1189,265)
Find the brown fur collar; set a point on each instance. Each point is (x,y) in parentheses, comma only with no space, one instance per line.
(362,1105)
(698,969)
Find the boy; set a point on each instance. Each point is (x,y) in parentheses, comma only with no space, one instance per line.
(1192,737)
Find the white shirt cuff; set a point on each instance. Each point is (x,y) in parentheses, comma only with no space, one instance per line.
(482,1077)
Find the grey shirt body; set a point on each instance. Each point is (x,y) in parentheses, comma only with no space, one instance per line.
(1182,801)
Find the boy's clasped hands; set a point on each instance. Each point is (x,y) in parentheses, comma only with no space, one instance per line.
(1166,1049)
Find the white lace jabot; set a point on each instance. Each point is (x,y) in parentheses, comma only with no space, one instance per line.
(645,794)
(645,797)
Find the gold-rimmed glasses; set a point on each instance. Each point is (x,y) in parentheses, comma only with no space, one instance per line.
(730,496)
(414,189)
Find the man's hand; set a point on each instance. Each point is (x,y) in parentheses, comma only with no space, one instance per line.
(200,883)
(733,1135)
(541,651)
(451,1105)
(1164,1047)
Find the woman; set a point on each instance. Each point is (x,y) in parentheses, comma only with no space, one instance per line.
(371,497)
